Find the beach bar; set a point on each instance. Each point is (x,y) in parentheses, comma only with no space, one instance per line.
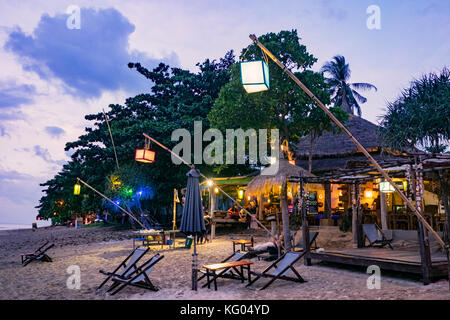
(414,251)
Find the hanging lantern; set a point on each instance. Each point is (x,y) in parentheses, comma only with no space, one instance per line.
(216,190)
(241,194)
(145,155)
(255,76)
(386,187)
(76,189)
(368,194)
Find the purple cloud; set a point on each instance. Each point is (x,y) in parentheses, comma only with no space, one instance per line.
(54,132)
(12,95)
(88,60)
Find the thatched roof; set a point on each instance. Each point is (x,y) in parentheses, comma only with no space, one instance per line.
(264,182)
(336,144)
(336,151)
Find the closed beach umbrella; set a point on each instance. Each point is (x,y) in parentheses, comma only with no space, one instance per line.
(192,222)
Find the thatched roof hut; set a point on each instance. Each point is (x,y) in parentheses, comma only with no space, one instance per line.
(264,182)
(336,151)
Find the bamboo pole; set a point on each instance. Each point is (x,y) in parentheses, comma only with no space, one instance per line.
(355,141)
(203,176)
(112,140)
(115,204)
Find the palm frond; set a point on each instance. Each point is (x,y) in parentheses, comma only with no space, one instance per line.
(363,86)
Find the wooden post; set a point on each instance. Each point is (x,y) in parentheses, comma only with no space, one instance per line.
(383,211)
(305,227)
(354,217)
(260,207)
(327,202)
(359,219)
(424,242)
(285,217)
(211,213)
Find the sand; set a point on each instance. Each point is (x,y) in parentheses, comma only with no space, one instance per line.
(92,249)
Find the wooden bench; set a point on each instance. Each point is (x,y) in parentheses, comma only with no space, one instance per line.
(226,271)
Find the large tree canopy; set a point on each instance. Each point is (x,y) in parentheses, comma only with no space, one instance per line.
(421,115)
(177,97)
(285,106)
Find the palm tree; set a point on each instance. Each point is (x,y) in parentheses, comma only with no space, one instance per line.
(344,94)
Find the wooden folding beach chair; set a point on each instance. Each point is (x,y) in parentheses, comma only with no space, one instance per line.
(227,273)
(126,267)
(312,242)
(138,278)
(280,268)
(39,255)
(375,236)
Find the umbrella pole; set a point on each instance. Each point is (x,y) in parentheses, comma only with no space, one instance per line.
(194,265)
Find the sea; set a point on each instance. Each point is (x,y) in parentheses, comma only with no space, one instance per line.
(13,226)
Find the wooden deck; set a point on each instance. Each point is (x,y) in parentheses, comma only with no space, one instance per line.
(395,260)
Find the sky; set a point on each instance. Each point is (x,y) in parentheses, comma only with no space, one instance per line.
(53,74)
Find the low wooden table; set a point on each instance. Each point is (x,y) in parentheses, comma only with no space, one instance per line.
(211,270)
(143,235)
(243,243)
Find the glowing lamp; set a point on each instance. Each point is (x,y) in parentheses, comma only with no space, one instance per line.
(241,194)
(255,76)
(386,187)
(145,155)
(249,198)
(76,189)
(216,190)
(368,194)
(209,183)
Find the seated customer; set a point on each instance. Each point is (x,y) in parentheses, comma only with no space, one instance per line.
(271,247)
(233,212)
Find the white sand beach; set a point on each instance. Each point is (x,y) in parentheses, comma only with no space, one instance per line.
(97,248)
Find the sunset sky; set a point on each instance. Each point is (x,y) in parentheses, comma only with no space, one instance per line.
(52,76)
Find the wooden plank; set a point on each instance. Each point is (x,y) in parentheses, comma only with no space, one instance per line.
(224,265)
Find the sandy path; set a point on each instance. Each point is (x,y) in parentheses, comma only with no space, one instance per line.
(48,280)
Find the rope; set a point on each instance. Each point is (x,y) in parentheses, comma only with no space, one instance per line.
(206,178)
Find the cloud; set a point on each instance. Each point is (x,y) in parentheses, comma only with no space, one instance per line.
(12,95)
(54,132)
(88,60)
(331,12)
(44,154)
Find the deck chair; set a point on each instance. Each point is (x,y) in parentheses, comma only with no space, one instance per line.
(126,267)
(280,268)
(38,255)
(375,236)
(138,278)
(312,240)
(227,273)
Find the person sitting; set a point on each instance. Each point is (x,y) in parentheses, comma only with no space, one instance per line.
(270,246)
(233,212)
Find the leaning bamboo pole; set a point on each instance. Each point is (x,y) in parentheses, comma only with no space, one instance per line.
(115,204)
(355,141)
(220,189)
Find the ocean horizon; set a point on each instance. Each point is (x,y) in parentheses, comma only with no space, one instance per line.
(20,226)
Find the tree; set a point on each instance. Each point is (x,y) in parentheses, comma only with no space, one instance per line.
(177,98)
(421,115)
(344,94)
(285,106)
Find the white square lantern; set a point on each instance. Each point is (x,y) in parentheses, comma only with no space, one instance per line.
(255,76)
